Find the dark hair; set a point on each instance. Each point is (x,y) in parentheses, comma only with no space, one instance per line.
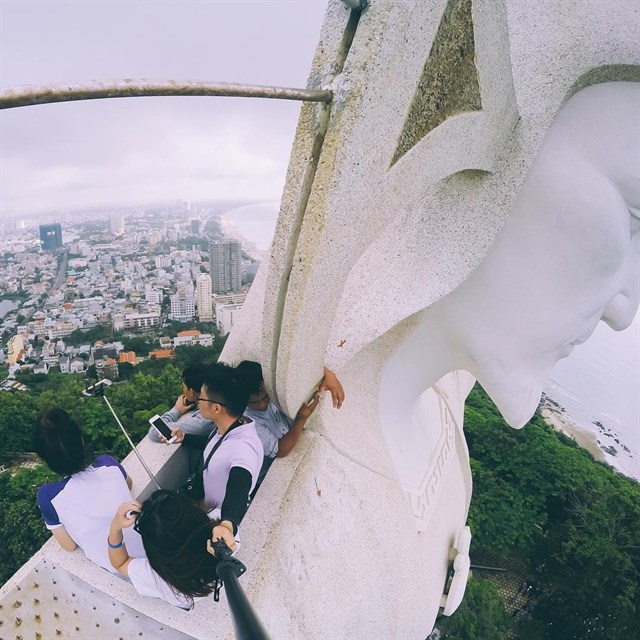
(223,384)
(192,376)
(57,439)
(250,374)
(174,531)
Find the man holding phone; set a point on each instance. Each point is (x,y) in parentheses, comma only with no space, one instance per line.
(193,423)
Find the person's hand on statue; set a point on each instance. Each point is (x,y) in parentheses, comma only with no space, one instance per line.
(331,384)
(307,408)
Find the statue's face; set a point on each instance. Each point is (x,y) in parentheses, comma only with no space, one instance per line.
(568,257)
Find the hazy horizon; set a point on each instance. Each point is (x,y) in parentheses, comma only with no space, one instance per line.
(132,151)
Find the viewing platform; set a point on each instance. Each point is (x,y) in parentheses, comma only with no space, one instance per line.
(60,594)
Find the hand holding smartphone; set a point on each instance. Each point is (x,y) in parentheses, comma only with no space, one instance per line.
(162,428)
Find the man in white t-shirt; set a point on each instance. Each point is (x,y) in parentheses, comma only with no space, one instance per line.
(232,455)
(78,509)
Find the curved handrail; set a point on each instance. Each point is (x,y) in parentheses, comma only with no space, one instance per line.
(29,96)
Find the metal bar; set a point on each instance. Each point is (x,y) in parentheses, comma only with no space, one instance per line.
(479,567)
(246,624)
(29,96)
(133,446)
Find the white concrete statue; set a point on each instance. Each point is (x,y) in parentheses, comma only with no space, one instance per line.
(567,257)
(489,247)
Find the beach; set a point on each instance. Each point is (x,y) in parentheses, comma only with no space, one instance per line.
(253,226)
(557,418)
(602,442)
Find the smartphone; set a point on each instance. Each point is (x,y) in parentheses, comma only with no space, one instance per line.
(188,403)
(162,428)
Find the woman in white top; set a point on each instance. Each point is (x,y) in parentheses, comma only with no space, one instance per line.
(79,508)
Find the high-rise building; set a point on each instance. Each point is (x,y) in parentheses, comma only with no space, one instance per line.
(116,224)
(163,261)
(226,266)
(203,297)
(50,236)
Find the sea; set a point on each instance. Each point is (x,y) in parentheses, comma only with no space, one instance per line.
(6,306)
(254,222)
(597,386)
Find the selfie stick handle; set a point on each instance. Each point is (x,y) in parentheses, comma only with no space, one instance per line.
(245,621)
(133,446)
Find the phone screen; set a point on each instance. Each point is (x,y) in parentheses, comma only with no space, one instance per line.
(162,427)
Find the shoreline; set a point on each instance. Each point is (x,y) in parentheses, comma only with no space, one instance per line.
(555,416)
(600,438)
(230,230)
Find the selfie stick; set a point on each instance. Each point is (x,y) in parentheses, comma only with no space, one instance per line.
(245,621)
(98,390)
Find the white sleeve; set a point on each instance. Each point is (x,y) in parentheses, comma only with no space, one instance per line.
(148,583)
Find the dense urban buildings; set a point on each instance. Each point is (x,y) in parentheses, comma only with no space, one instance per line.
(111,285)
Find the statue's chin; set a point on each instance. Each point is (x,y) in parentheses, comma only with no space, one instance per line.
(516,402)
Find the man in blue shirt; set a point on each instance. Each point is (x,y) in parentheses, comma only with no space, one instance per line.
(278,433)
(186,410)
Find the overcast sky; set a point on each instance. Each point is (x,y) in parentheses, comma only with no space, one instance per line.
(128,151)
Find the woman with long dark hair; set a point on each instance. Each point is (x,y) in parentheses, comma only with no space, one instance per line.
(79,508)
(176,534)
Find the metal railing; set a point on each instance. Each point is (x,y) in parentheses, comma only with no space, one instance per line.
(29,96)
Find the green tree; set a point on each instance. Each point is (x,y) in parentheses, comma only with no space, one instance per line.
(537,493)
(481,616)
(22,529)
(126,370)
(140,345)
(17,416)
(197,354)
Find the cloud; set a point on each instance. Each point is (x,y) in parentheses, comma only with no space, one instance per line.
(124,151)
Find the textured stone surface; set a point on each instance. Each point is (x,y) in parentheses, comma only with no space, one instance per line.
(449,81)
(50,602)
(380,243)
